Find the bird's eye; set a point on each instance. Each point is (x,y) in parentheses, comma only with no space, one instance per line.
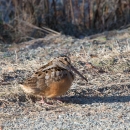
(46,72)
(65,59)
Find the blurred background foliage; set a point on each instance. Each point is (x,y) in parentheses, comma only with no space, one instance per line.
(22,20)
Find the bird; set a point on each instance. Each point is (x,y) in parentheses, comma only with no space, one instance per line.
(52,79)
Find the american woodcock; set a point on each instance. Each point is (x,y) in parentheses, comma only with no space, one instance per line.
(51,80)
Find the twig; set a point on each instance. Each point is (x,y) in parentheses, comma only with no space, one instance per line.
(50,30)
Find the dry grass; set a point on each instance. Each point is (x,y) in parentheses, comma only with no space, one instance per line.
(24,20)
(108,56)
(110,64)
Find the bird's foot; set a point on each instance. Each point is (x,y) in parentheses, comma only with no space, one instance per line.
(43,101)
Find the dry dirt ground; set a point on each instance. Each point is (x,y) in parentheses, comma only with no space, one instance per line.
(102,103)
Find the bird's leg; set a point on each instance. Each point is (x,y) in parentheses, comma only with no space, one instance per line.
(43,101)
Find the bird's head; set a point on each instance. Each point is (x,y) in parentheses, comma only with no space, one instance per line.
(65,62)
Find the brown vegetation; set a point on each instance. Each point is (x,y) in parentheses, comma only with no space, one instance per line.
(22,20)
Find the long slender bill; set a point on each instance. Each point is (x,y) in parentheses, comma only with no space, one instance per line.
(76,71)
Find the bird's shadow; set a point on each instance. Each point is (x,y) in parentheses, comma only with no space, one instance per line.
(95,99)
(102,95)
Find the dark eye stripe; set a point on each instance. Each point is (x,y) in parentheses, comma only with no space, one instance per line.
(39,74)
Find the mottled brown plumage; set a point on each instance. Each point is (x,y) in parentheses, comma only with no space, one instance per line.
(51,80)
